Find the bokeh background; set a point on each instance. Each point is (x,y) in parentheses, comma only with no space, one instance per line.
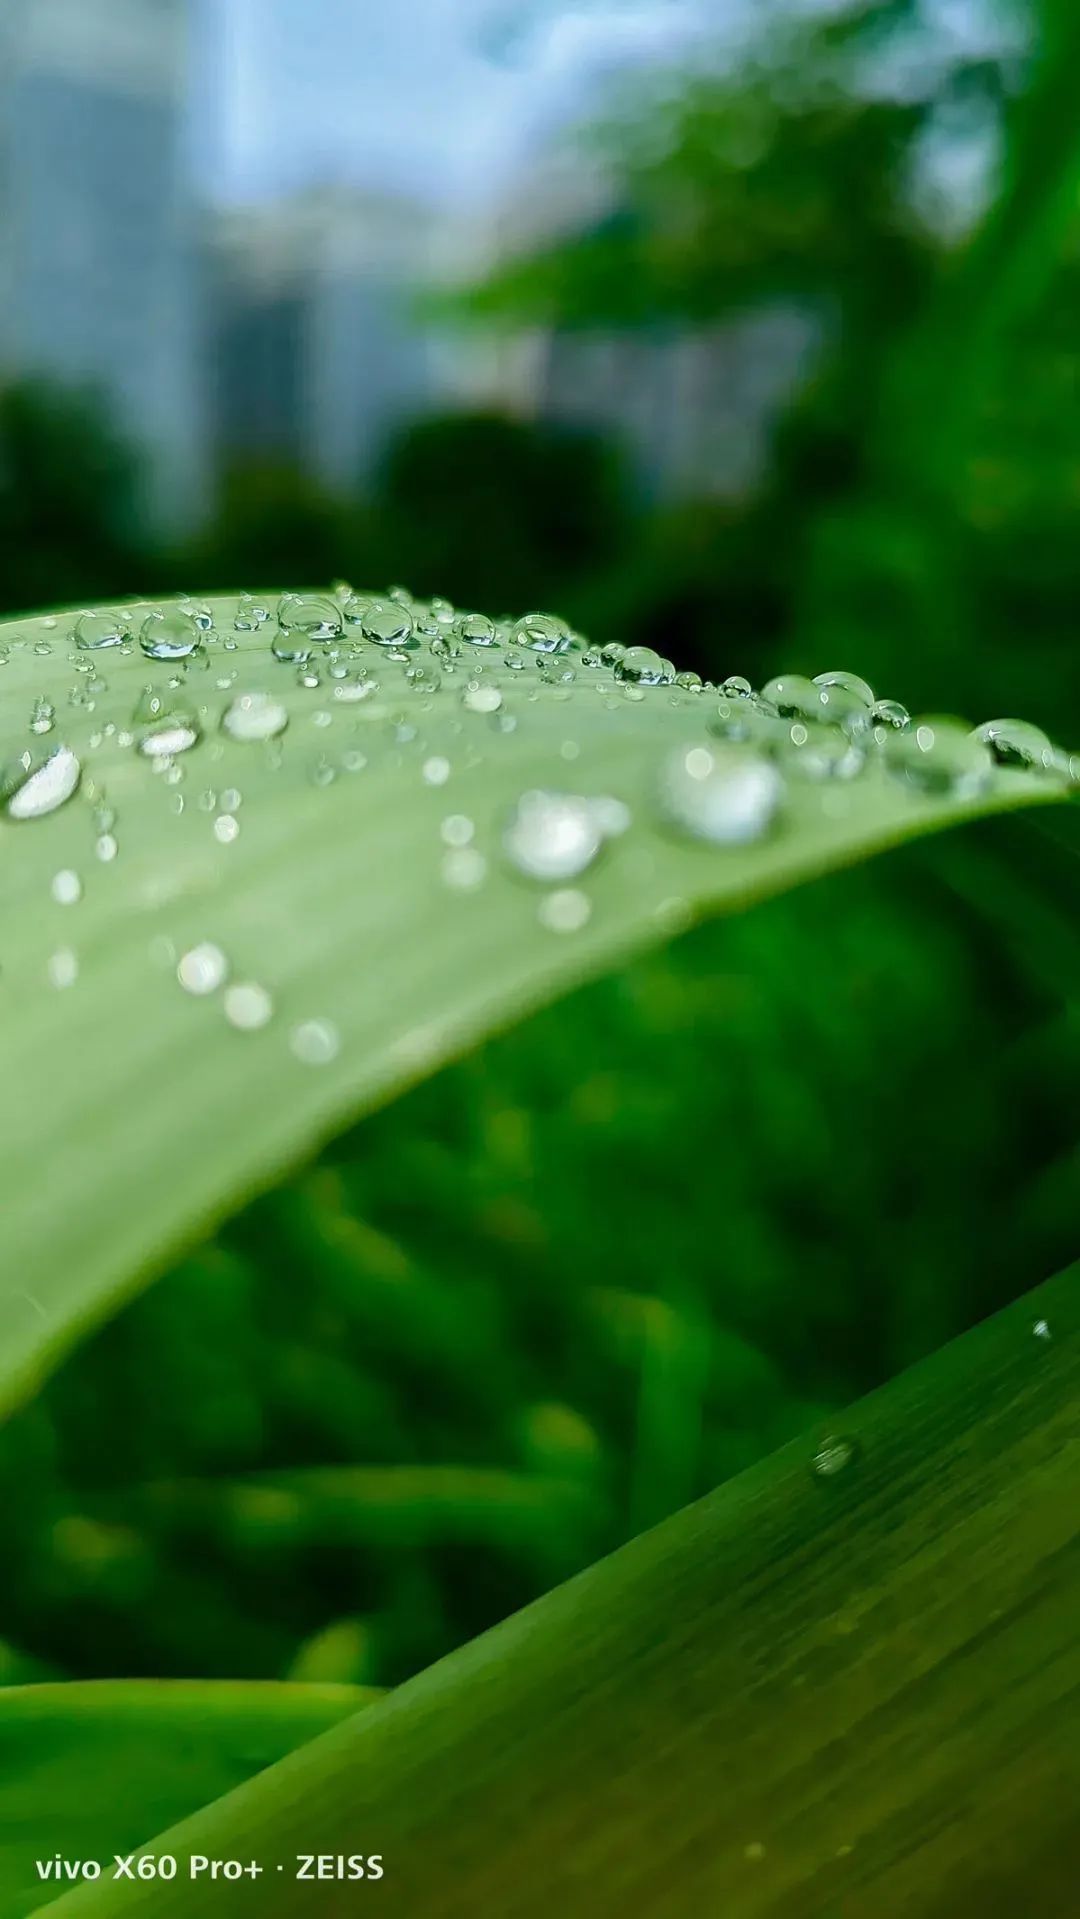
(746,329)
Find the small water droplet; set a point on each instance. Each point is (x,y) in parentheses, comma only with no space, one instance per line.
(565,911)
(316,1042)
(172,635)
(729,795)
(66,888)
(833,1455)
(106,848)
(33,788)
(735,687)
(457,830)
(248,1006)
(226,829)
(203,969)
(888,715)
(1041,1329)
(464,869)
(436,771)
(63,967)
(252,717)
(793,696)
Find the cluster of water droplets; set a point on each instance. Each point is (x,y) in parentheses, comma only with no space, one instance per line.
(350,676)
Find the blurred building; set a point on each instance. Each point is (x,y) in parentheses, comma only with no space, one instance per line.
(314,350)
(97,285)
(692,406)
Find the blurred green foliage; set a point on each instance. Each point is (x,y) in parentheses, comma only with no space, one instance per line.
(624,1250)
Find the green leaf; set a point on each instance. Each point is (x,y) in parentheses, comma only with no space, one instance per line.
(135,1115)
(841,1683)
(92,1770)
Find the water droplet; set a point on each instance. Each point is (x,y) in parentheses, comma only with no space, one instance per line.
(456,830)
(735,687)
(63,967)
(351,692)
(305,616)
(384,622)
(793,696)
(552,836)
(816,752)
(30,791)
(1041,1329)
(42,715)
(729,795)
(248,1006)
(66,888)
(96,630)
(939,755)
(542,633)
(464,869)
(482,699)
(477,630)
(173,635)
(850,683)
(888,715)
(689,682)
(833,1455)
(226,829)
(1017,743)
(172,733)
(254,716)
(436,771)
(316,1042)
(640,666)
(203,969)
(564,911)
(106,848)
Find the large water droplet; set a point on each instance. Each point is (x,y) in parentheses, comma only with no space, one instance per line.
(384,622)
(30,791)
(939,755)
(254,716)
(850,683)
(640,666)
(812,751)
(552,836)
(96,630)
(1018,743)
(889,716)
(793,696)
(729,795)
(477,630)
(543,633)
(305,616)
(172,635)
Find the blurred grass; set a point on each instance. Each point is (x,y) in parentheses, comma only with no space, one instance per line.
(607,1261)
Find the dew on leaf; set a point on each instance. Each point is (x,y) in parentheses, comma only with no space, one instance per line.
(252,717)
(849,683)
(94,631)
(1019,744)
(833,1455)
(203,969)
(552,836)
(566,910)
(66,887)
(477,630)
(939,756)
(729,795)
(305,617)
(542,633)
(463,869)
(482,699)
(34,787)
(172,635)
(173,732)
(63,967)
(248,1006)
(42,716)
(640,666)
(316,1042)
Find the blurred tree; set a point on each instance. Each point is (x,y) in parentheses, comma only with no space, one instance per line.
(69,500)
(495,513)
(809,173)
(273,525)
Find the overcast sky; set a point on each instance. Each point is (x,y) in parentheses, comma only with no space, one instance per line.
(435,97)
